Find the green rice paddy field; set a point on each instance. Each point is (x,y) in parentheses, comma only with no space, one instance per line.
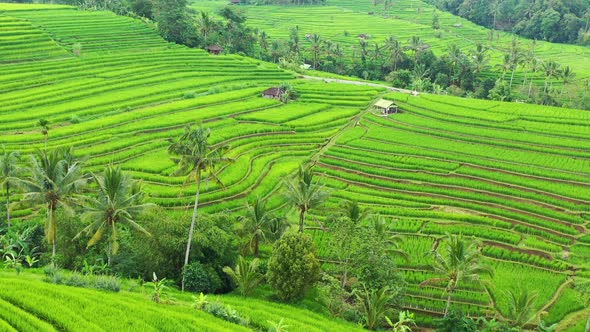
(341,21)
(516,176)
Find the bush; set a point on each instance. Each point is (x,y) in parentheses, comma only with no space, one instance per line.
(226,313)
(55,275)
(201,279)
(293,267)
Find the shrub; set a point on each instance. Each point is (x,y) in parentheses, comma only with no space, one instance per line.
(226,313)
(199,278)
(293,267)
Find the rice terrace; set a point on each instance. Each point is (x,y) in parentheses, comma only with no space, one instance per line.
(294,165)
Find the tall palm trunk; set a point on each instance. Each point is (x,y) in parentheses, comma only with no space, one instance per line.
(8,204)
(448,306)
(54,233)
(256,246)
(301,220)
(192,229)
(587,329)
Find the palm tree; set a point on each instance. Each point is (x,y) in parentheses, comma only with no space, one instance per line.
(9,172)
(374,304)
(551,69)
(481,58)
(259,225)
(381,228)
(56,178)
(194,156)
(316,48)
(44,124)
(515,58)
(417,45)
(567,75)
(245,275)
(205,25)
(459,262)
(521,307)
(263,42)
(396,51)
(304,193)
(118,202)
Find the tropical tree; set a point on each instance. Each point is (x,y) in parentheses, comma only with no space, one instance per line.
(44,124)
(9,173)
(417,45)
(551,70)
(56,178)
(396,51)
(515,58)
(316,48)
(567,76)
(118,202)
(198,160)
(260,225)
(374,305)
(481,58)
(381,230)
(206,25)
(521,306)
(459,262)
(404,322)
(245,275)
(304,193)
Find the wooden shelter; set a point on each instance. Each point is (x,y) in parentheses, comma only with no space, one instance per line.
(386,107)
(235,2)
(362,36)
(214,49)
(273,93)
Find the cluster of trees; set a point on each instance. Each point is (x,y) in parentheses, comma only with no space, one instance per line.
(554,21)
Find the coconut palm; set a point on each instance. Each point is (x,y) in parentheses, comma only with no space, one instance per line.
(396,51)
(515,58)
(245,275)
(205,25)
(382,230)
(304,193)
(9,172)
(551,70)
(417,45)
(44,124)
(118,202)
(481,58)
(316,48)
(567,75)
(260,225)
(56,178)
(521,307)
(459,262)
(197,159)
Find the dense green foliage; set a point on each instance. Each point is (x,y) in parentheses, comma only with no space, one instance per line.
(562,22)
(293,267)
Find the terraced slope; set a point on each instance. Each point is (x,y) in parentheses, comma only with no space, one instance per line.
(516,176)
(29,304)
(342,21)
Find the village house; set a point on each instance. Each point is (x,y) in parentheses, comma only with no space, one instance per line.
(273,93)
(386,107)
(214,49)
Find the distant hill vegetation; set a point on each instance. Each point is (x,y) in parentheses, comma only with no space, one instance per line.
(565,21)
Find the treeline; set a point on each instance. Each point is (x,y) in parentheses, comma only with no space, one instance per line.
(554,21)
(283,2)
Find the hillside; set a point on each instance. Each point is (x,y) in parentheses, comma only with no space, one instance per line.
(341,21)
(516,176)
(29,304)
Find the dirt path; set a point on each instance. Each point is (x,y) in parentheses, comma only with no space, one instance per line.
(376,85)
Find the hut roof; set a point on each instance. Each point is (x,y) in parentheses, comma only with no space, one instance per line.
(215,48)
(363,36)
(275,92)
(235,2)
(384,104)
